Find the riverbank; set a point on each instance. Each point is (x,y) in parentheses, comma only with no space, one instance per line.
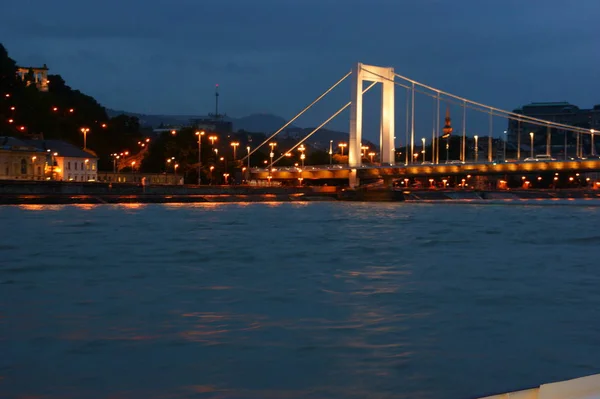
(21,192)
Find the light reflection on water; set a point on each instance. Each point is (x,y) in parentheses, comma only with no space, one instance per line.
(296,300)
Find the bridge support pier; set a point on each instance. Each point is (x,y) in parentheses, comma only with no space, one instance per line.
(385,76)
(353,180)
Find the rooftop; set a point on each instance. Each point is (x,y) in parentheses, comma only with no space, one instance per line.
(13,143)
(63,148)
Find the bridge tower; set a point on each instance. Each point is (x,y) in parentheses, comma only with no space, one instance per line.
(385,76)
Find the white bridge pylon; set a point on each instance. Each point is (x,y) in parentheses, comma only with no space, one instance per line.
(385,76)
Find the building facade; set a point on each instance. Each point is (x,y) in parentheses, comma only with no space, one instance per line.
(35,75)
(46,160)
(68,162)
(20,160)
(559,112)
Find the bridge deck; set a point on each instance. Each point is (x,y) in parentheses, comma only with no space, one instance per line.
(487,168)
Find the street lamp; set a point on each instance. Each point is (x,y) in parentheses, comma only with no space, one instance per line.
(212,139)
(235,145)
(33,158)
(593,151)
(371,154)
(531,134)
(505,146)
(330,152)
(342,146)
(272,154)
(84,130)
(476,148)
(302,156)
(200,134)
(423,151)
(248,149)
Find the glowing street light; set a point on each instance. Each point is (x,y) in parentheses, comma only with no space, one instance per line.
(212,140)
(371,154)
(476,148)
(85,131)
(531,135)
(199,134)
(235,145)
(330,152)
(248,149)
(342,146)
(423,150)
(272,154)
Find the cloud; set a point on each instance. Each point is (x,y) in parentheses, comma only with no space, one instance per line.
(273,55)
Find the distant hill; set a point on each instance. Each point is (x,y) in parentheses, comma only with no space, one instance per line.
(264,123)
(321,139)
(258,123)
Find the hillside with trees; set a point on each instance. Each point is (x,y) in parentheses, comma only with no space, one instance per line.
(60,113)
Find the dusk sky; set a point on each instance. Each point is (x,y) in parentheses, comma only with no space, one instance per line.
(275,56)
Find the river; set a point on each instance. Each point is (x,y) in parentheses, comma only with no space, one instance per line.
(296,300)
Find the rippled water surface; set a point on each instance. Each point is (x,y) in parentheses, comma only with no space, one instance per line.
(320,300)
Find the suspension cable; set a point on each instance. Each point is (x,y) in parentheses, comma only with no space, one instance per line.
(501,111)
(486,108)
(339,111)
(298,115)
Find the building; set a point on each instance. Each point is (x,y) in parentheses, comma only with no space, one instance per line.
(20,160)
(68,162)
(212,125)
(45,160)
(34,75)
(559,112)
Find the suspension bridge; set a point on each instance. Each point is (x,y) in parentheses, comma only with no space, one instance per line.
(412,162)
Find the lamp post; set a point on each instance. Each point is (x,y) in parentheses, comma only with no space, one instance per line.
(342,146)
(200,134)
(272,154)
(33,158)
(593,150)
(210,170)
(371,154)
(54,155)
(531,135)
(423,151)
(302,156)
(330,152)
(248,177)
(212,140)
(84,130)
(476,148)
(87,165)
(235,145)
(505,146)
(364,150)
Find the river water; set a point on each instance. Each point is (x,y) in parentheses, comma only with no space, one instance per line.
(296,300)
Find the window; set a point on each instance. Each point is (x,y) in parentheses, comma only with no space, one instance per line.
(69,165)
(23,167)
(93,166)
(39,172)
(75,165)
(82,166)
